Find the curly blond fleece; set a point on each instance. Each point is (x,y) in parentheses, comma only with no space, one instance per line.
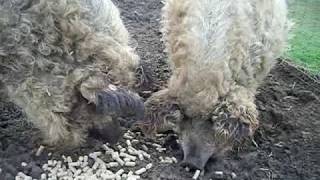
(54,53)
(220,51)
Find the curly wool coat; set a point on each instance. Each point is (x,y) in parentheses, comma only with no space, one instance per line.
(55,56)
(220,52)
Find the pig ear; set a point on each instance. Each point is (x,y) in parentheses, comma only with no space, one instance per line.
(231,128)
(160,116)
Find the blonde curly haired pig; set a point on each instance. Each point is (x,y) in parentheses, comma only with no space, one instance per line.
(69,66)
(220,51)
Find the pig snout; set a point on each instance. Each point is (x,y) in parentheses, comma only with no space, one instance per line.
(196,153)
(119,102)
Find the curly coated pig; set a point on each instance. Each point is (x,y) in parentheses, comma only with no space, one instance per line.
(68,64)
(220,51)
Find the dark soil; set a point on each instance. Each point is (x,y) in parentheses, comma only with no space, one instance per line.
(287,144)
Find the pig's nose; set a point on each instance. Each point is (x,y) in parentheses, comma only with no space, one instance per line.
(193,163)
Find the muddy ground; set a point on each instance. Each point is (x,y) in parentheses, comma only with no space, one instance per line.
(287,143)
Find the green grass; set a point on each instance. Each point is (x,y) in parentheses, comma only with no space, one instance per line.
(305,43)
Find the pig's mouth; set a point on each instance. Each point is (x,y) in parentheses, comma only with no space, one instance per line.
(196,156)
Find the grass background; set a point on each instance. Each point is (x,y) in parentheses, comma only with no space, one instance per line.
(304,47)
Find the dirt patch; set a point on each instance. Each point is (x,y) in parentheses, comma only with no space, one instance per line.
(287,142)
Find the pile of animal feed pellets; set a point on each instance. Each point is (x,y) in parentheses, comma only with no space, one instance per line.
(130,159)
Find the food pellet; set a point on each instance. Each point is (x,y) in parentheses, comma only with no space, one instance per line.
(106,148)
(123,150)
(81,158)
(148,156)
(74,164)
(133,150)
(130,164)
(64,158)
(125,155)
(196,174)
(45,167)
(40,150)
(130,173)
(156,145)
(141,171)
(161,149)
(127,136)
(113,164)
(24,164)
(133,177)
(69,159)
(141,158)
(85,158)
(233,175)
(115,155)
(118,177)
(120,172)
(128,142)
(120,161)
(135,141)
(108,176)
(144,147)
(130,151)
(218,173)
(149,166)
(174,160)
(95,165)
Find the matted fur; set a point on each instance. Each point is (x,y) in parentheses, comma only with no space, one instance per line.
(220,51)
(51,52)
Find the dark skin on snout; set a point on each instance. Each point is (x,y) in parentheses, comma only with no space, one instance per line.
(117,103)
(196,143)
